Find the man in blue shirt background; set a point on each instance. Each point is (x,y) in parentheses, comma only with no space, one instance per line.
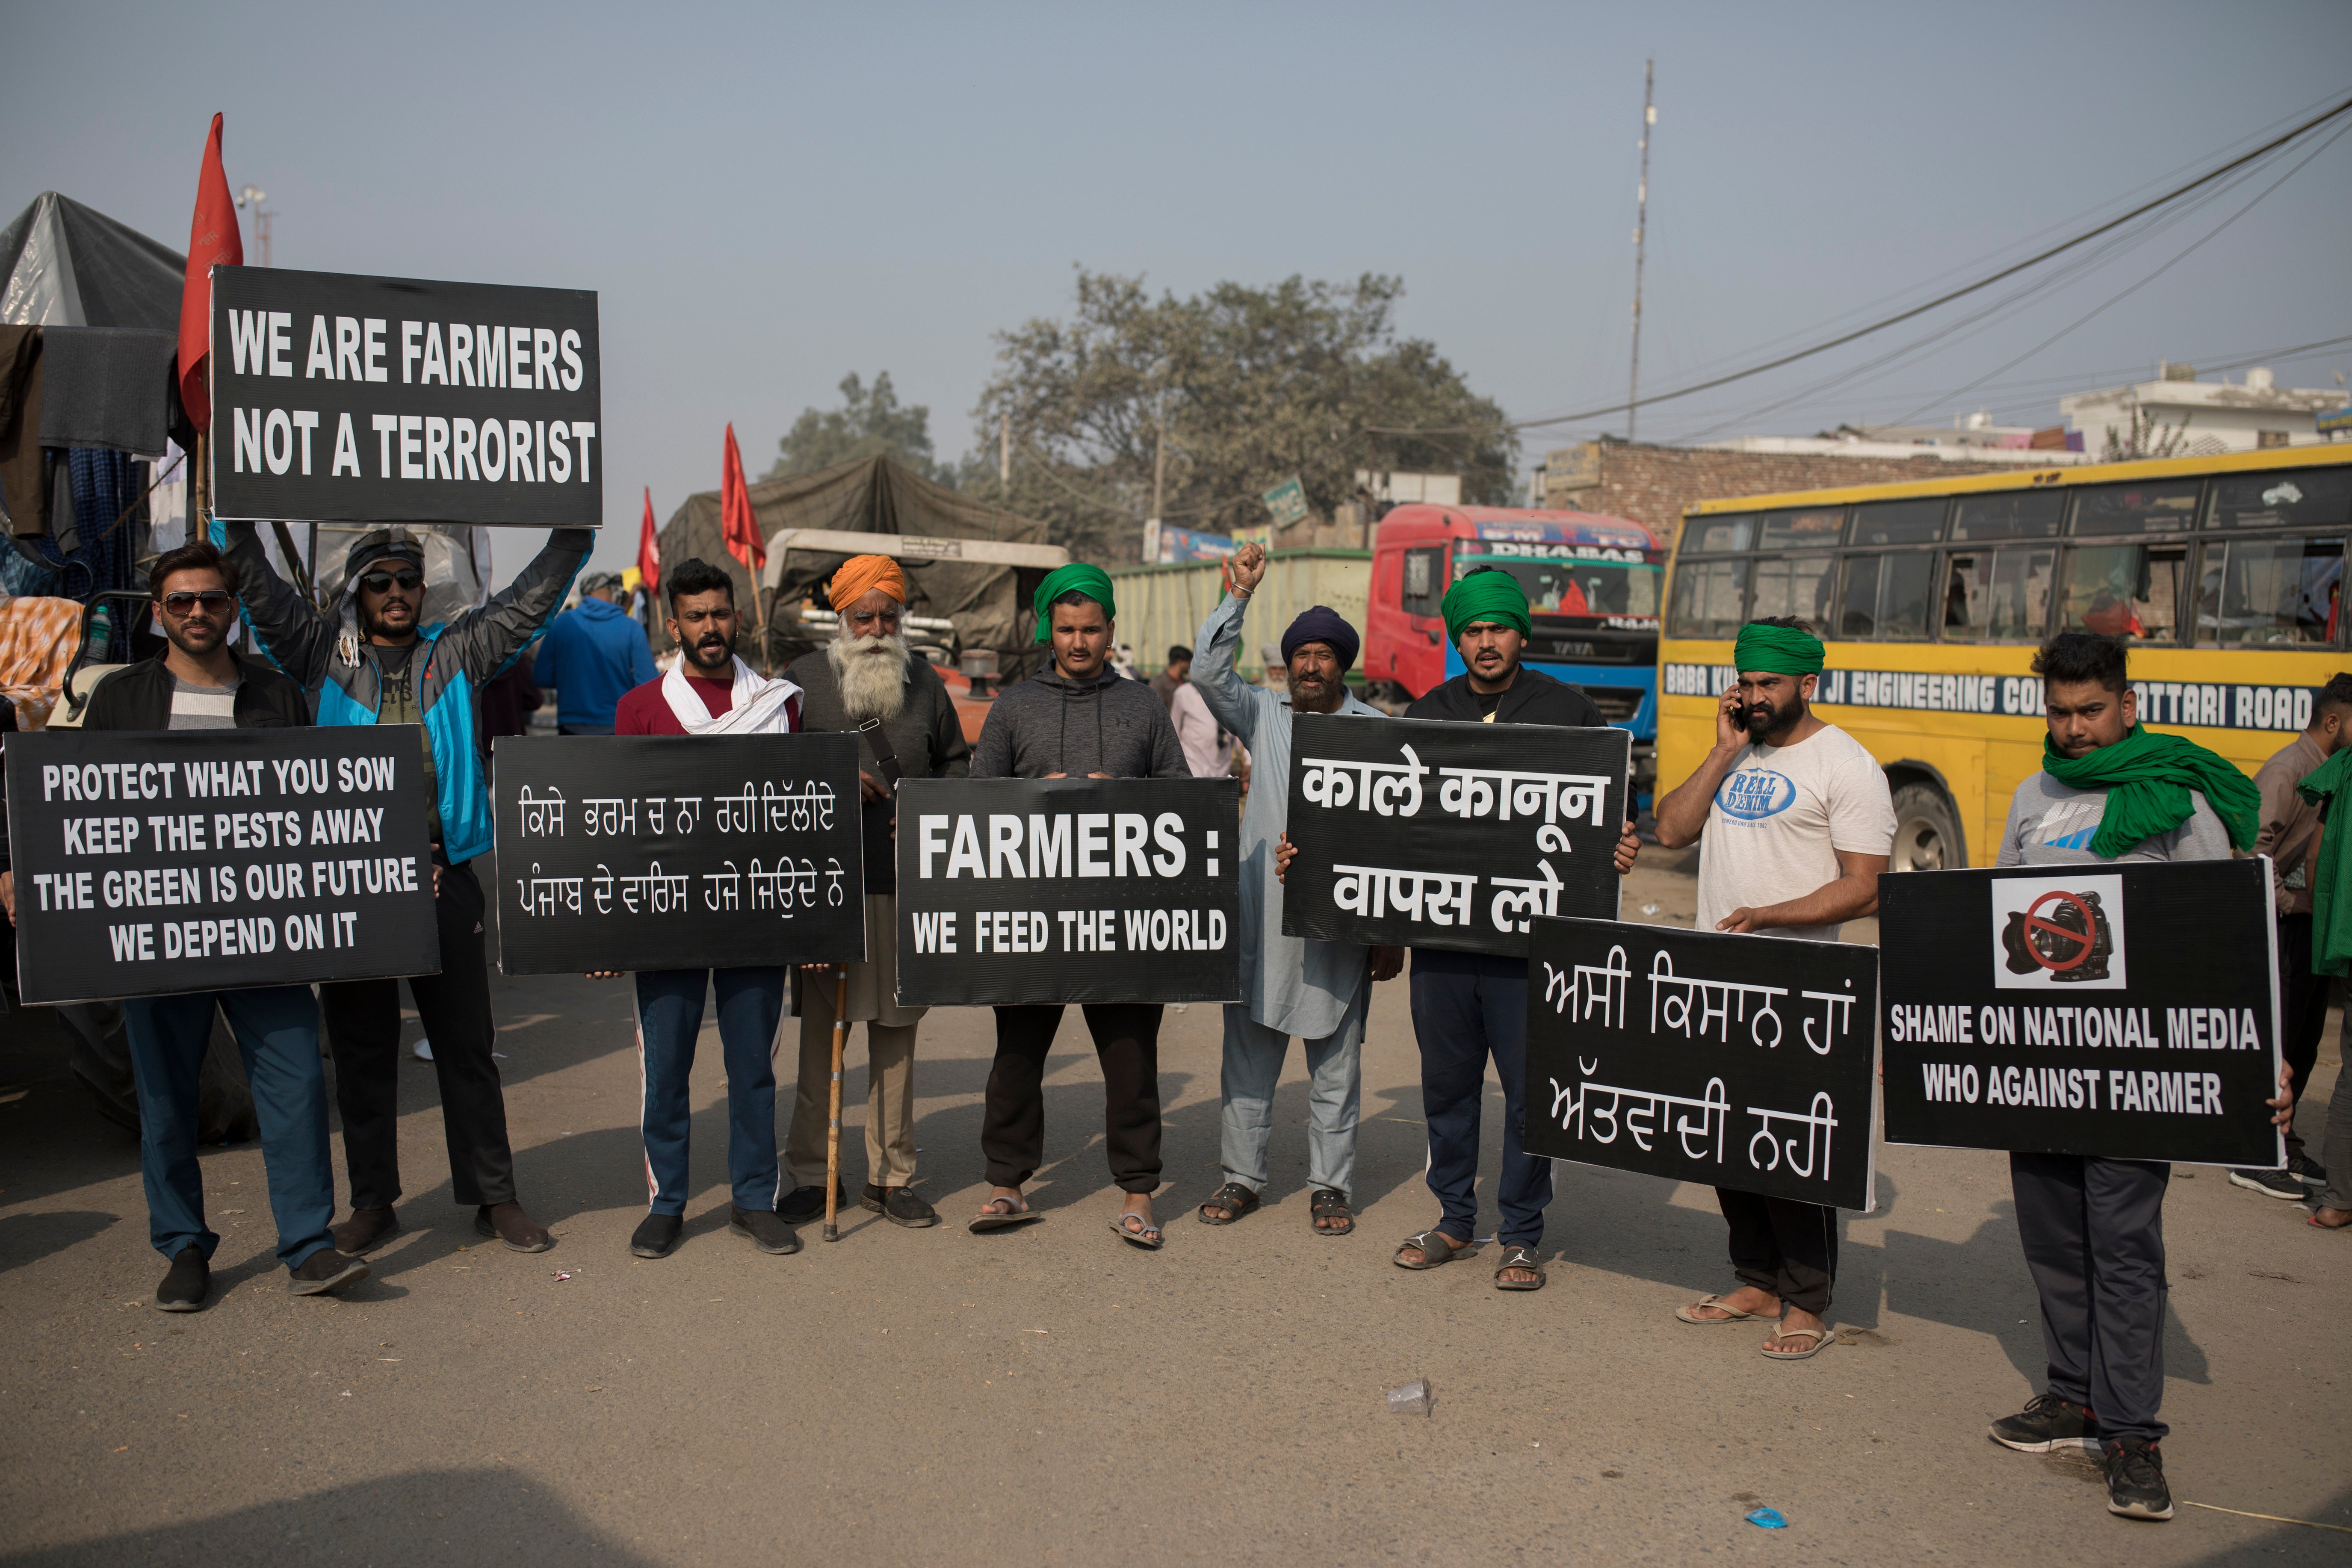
(593,655)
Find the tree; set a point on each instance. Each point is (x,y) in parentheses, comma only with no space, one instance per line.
(2148,437)
(870,423)
(1246,388)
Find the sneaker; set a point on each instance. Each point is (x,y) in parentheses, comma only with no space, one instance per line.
(805,1205)
(2047,1421)
(899,1205)
(655,1235)
(2307,1171)
(766,1229)
(367,1230)
(506,1222)
(2269,1184)
(326,1270)
(2136,1487)
(187,1283)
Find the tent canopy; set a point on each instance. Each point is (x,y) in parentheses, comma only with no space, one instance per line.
(875,495)
(71,266)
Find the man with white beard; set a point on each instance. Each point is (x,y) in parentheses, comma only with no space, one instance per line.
(867,682)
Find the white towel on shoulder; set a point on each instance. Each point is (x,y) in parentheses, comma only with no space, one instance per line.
(758,703)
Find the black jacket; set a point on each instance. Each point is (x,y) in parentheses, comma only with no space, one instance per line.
(139,697)
(1534,698)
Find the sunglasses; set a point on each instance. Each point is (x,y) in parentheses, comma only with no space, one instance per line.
(382,582)
(186,603)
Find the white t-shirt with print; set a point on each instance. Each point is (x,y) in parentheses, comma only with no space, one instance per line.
(1779,816)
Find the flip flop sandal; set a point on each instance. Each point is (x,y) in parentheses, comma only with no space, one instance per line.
(1821,1339)
(1235,1199)
(1735,1315)
(1015,1211)
(1145,1234)
(1329,1204)
(1516,1256)
(1435,1248)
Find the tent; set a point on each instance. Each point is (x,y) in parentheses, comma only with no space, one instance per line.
(72,266)
(989,603)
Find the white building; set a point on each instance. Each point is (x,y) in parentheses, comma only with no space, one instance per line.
(2200,418)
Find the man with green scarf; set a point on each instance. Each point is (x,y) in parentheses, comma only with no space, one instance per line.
(1794,822)
(2092,1229)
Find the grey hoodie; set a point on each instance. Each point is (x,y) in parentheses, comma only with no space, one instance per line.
(1051,724)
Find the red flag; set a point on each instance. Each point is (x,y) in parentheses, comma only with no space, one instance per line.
(649,549)
(213,239)
(737,525)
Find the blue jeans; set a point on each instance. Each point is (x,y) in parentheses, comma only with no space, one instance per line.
(277,1029)
(669,1017)
(1467,1008)
(1335,1080)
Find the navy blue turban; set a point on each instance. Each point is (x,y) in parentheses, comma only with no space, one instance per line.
(1321,623)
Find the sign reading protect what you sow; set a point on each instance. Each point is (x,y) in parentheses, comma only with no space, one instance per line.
(152,862)
(2129,1010)
(1043,890)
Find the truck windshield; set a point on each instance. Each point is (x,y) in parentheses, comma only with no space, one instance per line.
(1580,588)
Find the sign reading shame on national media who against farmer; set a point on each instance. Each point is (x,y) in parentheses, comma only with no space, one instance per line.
(1427,833)
(346,399)
(1041,890)
(1734,1061)
(149,862)
(2124,1009)
(678,852)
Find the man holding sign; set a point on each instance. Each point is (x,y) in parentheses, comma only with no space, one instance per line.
(198,683)
(1794,824)
(1079,717)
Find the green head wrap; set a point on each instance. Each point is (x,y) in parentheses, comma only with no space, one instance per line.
(1777,651)
(1084,577)
(1485,596)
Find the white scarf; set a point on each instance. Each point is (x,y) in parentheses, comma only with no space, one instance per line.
(758,703)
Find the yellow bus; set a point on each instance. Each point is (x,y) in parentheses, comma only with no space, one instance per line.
(2224,573)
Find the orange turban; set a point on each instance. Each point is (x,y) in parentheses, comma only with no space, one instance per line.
(860,575)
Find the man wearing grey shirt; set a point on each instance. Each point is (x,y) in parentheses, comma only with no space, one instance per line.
(2092,1229)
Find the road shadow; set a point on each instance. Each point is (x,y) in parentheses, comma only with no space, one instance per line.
(459,1517)
(29,1237)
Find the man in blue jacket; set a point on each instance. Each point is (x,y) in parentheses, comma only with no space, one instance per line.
(376,661)
(591,657)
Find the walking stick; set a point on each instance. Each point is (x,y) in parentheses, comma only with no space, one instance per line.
(832,1127)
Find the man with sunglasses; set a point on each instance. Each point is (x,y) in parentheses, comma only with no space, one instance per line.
(198,683)
(375,660)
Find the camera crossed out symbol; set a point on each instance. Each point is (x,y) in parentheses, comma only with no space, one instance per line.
(2080,940)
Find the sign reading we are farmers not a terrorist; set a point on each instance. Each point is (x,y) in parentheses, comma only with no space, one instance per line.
(349,399)
(153,862)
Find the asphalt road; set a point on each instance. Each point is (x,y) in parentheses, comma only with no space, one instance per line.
(1051,1395)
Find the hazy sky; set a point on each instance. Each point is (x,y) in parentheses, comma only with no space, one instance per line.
(768,197)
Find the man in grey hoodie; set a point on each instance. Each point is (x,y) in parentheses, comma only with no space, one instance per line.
(1077,718)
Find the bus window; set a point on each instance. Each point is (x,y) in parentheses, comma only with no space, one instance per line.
(1710,598)
(1887,595)
(1424,580)
(2321,496)
(1821,525)
(1999,595)
(1899,521)
(2009,514)
(2269,590)
(2135,507)
(1795,585)
(1716,535)
(2125,589)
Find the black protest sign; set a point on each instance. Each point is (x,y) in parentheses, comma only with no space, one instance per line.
(149,862)
(1736,1061)
(1421,833)
(346,399)
(2127,1010)
(1018,890)
(677,852)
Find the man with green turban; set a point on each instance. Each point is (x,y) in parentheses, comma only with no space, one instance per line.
(1794,822)
(2092,1229)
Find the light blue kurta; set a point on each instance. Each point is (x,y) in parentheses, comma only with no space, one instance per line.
(1298,986)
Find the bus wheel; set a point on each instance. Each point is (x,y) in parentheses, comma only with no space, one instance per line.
(1926,831)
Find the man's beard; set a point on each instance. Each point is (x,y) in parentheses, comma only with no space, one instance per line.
(1763,717)
(873,675)
(719,649)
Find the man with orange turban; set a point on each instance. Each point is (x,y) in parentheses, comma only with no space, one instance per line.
(867,682)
